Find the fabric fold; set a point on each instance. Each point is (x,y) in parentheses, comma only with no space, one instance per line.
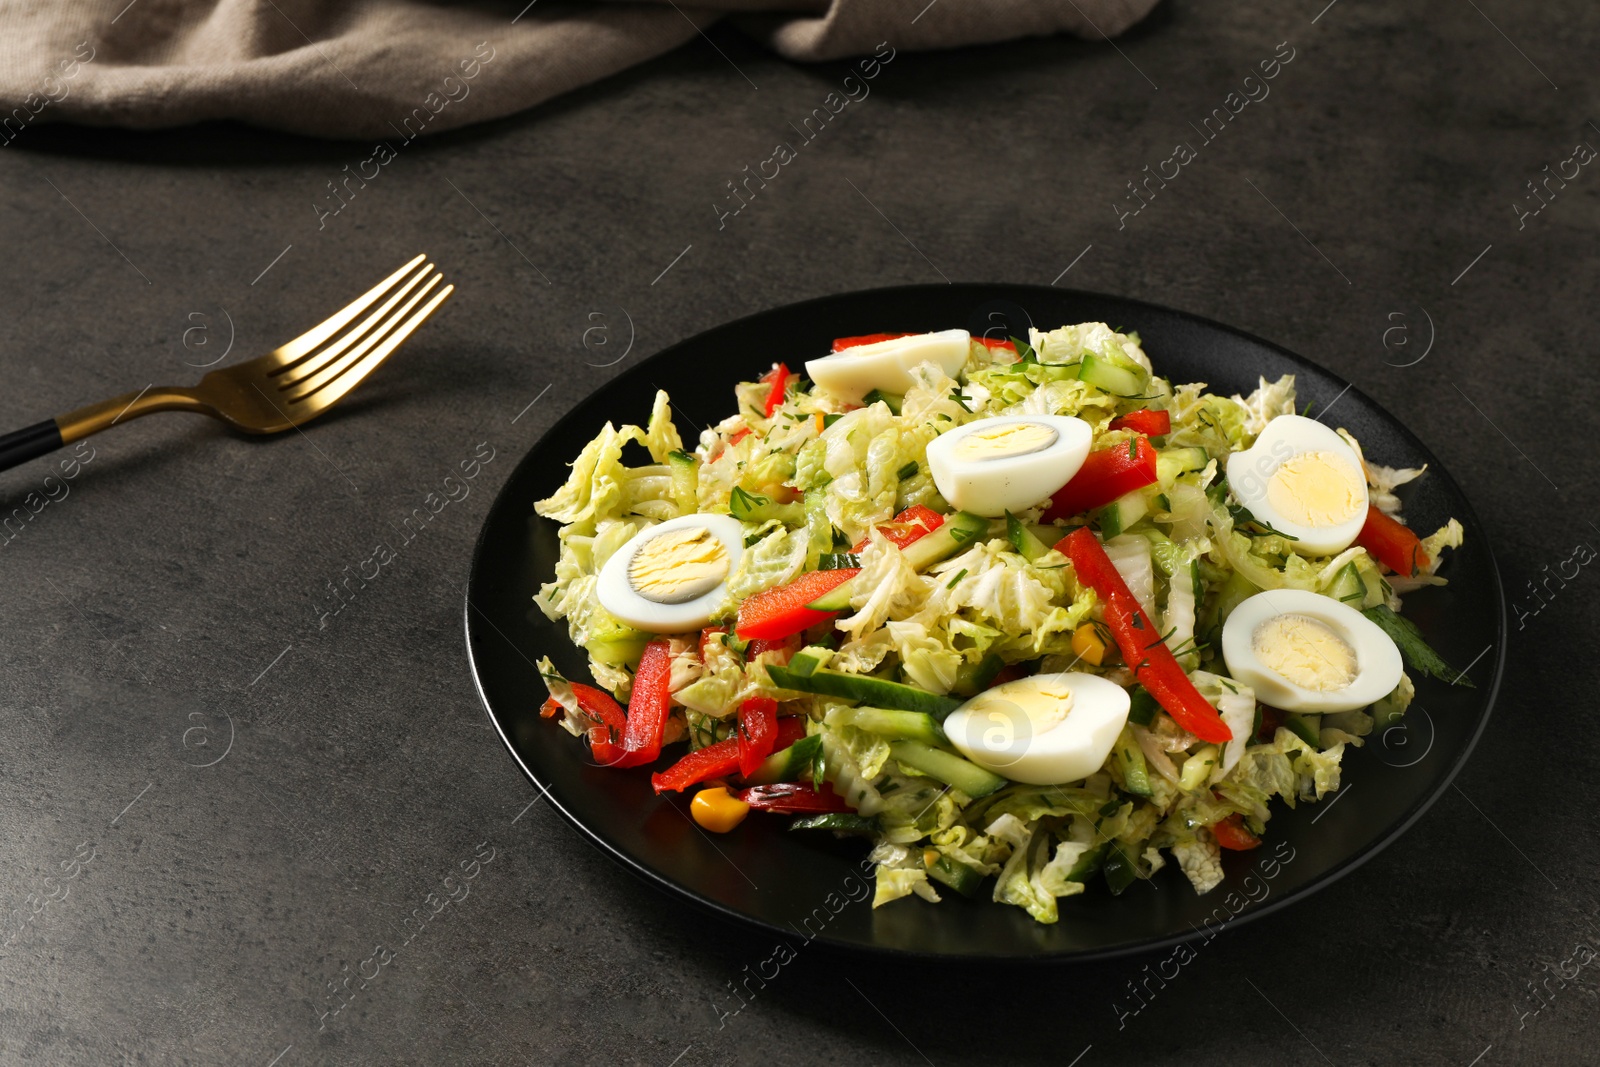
(361,68)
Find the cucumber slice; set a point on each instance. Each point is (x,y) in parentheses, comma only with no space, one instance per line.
(1388,711)
(972,679)
(893,400)
(1121,868)
(616,645)
(954,534)
(840,822)
(947,767)
(1171,462)
(953,873)
(876,692)
(793,764)
(1088,863)
(1347,587)
(895,725)
(1142,707)
(1023,539)
(685,470)
(807,660)
(1307,728)
(1105,376)
(1130,761)
(835,599)
(1197,768)
(1120,514)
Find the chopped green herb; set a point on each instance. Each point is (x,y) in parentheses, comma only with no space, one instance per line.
(908,471)
(951,584)
(1416,651)
(1242,517)
(741,503)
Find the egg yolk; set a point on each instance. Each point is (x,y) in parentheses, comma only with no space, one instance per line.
(1004,441)
(1306,652)
(678,566)
(1005,719)
(1316,489)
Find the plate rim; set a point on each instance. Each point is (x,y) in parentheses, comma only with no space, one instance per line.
(1347,865)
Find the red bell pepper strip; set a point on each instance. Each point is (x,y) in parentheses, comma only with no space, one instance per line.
(1104,476)
(791,728)
(605,737)
(713,761)
(1140,642)
(648,706)
(793,798)
(842,343)
(912,523)
(778,377)
(706,637)
(780,645)
(774,613)
(1009,673)
(721,760)
(758,729)
(550,709)
(1392,543)
(1145,421)
(740,436)
(1231,833)
(992,343)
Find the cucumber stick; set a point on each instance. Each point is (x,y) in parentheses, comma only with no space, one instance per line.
(1109,378)
(840,822)
(954,534)
(1307,728)
(953,873)
(876,692)
(790,765)
(1130,762)
(892,724)
(947,767)
(1347,587)
(1120,514)
(1171,462)
(1029,544)
(685,470)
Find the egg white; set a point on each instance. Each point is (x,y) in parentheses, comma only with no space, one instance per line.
(617,595)
(1014,748)
(992,487)
(886,365)
(1378,664)
(1250,471)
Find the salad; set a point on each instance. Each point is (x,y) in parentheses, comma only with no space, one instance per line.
(1022,614)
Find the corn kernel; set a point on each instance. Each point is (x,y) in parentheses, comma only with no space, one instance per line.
(718,810)
(1088,645)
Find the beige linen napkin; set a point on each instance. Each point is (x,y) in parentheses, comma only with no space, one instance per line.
(363,68)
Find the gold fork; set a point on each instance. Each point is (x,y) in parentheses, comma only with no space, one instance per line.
(287,387)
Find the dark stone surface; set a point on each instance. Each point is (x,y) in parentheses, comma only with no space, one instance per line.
(170,601)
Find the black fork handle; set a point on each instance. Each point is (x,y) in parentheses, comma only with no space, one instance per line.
(31,442)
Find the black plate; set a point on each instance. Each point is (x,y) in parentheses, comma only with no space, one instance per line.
(798,885)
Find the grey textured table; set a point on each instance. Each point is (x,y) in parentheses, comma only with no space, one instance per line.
(240,798)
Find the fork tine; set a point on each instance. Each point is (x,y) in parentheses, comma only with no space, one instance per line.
(310,384)
(353,377)
(310,365)
(313,337)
